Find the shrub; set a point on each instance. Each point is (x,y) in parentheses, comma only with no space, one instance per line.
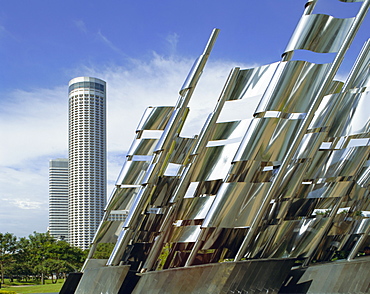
(7,292)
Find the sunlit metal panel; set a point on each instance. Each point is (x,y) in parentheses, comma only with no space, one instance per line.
(293,80)
(195,208)
(296,238)
(122,198)
(109,231)
(235,205)
(155,118)
(340,163)
(133,172)
(252,82)
(185,234)
(142,147)
(214,163)
(319,33)
(354,118)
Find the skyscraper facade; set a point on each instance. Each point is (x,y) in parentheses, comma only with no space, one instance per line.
(58,198)
(87,158)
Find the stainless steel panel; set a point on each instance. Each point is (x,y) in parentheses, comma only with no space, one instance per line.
(296,238)
(280,141)
(360,226)
(122,198)
(294,80)
(322,114)
(306,150)
(319,33)
(267,140)
(331,189)
(359,193)
(109,231)
(185,234)
(214,163)
(364,178)
(361,77)
(164,189)
(341,163)
(229,130)
(256,139)
(340,228)
(194,208)
(259,243)
(253,82)
(299,208)
(155,118)
(242,171)
(235,205)
(132,173)
(291,181)
(182,149)
(353,116)
(207,188)
(173,128)
(142,147)
(327,203)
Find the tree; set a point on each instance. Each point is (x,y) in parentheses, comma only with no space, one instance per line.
(49,256)
(38,250)
(22,257)
(40,255)
(8,246)
(103,250)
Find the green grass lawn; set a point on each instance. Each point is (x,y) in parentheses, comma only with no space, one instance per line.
(23,288)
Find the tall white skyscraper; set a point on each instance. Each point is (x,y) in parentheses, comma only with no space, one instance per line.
(87,158)
(58,198)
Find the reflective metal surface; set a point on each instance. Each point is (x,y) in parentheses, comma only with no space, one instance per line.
(281,168)
(319,33)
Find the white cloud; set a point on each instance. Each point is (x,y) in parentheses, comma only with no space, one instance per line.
(80,24)
(106,41)
(33,124)
(172,40)
(25,203)
(34,128)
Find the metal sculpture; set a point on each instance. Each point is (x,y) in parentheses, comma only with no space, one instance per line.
(290,181)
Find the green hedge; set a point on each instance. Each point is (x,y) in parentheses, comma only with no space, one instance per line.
(7,292)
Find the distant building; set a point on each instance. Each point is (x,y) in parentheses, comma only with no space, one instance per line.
(87,158)
(58,198)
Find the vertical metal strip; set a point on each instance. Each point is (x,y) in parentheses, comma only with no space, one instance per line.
(163,148)
(200,146)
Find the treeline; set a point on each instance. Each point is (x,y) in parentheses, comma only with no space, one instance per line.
(37,257)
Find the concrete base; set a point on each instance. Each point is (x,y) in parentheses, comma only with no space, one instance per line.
(229,277)
(102,280)
(335,277)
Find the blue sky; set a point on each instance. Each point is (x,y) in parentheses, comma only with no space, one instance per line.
(143,49)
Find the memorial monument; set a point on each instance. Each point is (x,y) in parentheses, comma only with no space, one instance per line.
(277,202)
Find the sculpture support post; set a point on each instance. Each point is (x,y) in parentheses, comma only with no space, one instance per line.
(157,165)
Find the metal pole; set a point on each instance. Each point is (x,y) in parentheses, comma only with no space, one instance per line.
(201,144)
(359,243)
(158,162)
